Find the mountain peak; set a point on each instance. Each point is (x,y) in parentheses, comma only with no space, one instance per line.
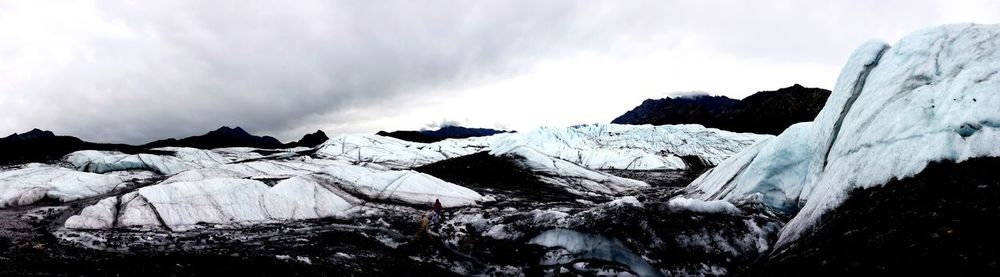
(227,131)
(33,134)
(311,140)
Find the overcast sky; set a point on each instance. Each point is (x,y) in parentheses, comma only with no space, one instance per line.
(135,71)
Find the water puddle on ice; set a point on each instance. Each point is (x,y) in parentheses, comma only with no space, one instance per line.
(591,246)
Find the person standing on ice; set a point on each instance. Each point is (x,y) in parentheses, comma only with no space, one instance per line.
(437,206)
(438,215)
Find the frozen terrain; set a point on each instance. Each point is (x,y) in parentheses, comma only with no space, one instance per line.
(176,200)
(602,199)
(595,146)
(240,186)
(33,182)
(931,97)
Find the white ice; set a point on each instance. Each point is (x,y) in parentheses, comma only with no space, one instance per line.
(575,178)
(108,161)
(33,182)
(224,195)
(931,97)
(680,204)
(595,146)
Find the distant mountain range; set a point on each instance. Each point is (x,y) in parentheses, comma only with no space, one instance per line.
(765,112)
(222,137)
(447,132)
(41,145)
(38,145)
(237,137)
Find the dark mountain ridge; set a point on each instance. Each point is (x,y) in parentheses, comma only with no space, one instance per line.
(39,146)
(446,132)
(764,112)
(222,137)
(42,145)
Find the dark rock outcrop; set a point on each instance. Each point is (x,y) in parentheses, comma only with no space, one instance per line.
(765,112)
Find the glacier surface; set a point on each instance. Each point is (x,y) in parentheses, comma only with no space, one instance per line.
(33,182)
(931,97)
(107,161)
(595,146)
(229,195)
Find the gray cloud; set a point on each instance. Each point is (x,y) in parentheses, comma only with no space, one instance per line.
(128,72)
(441,124)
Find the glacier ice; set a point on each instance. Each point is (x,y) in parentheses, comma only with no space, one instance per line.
(33,182)
(574,178)
(595,146)
(403,186)
(224,195)
(108,161)
(931,97)
(634,147)
(681,204)
(391,153)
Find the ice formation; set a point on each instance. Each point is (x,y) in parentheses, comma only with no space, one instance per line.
(108,161)
(635,147)
(574,178)
(931,97)
(33,182)
(223,195)
(595,146)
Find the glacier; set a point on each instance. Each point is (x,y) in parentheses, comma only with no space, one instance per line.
(227,197)
(931,97)
(391,153)
(634,147)
(236,186)
(183,159)
(574,178)
(33,182)
(595,146)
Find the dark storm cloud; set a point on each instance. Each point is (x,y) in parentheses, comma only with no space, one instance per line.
(134,72)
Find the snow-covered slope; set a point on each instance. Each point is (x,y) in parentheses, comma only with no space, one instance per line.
(933,96)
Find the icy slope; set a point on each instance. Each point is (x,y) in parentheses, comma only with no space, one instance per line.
(223,195)
(108,161)
(934,96)
(34,182)
(596,146)
(614,146)
(572,177)
(391,153)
